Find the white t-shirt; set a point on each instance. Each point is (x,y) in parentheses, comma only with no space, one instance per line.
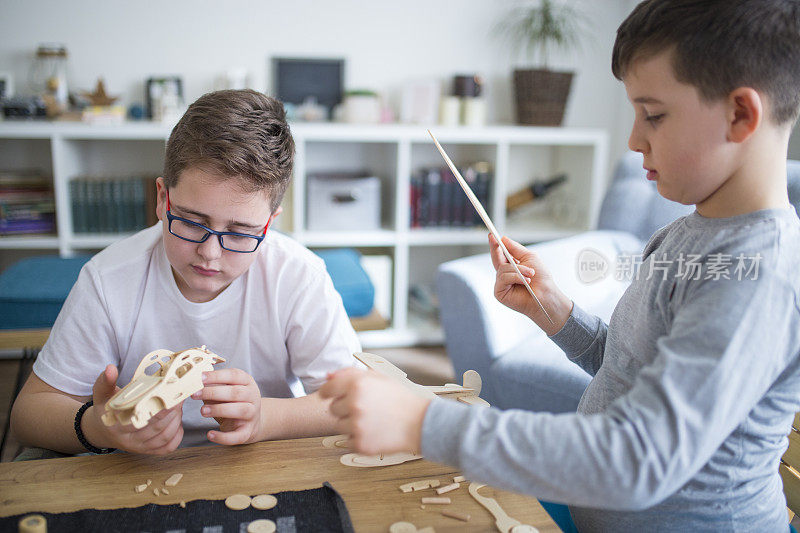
(282,322)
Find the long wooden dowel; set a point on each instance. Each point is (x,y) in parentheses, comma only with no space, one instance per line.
(488,221)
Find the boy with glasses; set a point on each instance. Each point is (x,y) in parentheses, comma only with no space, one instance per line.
(210,273)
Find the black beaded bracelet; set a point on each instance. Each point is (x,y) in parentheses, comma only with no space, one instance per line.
(79,431)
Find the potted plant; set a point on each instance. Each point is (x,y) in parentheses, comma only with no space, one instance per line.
(533,30)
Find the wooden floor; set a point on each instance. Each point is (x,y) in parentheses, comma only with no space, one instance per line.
(426,366)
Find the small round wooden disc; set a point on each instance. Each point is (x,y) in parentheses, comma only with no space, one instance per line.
(33,523)
(237,502)
(262,502)
(261,526)
(402,527)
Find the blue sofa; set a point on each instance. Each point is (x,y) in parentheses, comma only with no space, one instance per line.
(520,366)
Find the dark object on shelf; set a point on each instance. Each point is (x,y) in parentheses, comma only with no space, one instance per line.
(162,90)
(541,96)
(24,107)
(536,190)
(297,79)
(467,85)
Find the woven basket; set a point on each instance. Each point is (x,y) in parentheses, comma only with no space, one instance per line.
(541,96)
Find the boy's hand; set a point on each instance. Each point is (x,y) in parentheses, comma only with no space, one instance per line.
(162,434)
(232,397)
(380,415)
(510,291)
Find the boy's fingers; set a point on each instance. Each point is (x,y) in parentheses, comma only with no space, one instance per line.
(106,384)
(498,258)
(230,438)
(339,383)
(226,376)
(339,408)
(238,410)
(223,393)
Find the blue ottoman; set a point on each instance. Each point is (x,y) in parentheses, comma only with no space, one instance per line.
(33,290)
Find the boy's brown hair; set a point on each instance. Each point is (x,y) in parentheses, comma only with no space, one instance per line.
(719,46)
(237,133)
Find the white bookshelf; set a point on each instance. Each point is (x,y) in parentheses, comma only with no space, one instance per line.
(392,152)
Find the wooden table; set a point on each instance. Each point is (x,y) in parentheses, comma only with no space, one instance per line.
(373,498)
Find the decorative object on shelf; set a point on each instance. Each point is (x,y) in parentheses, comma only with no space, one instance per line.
(233,78)
(24,107)
(535,28)
(468,88)
(535,190)
(310,111)
(99,97)
(164,98)
(295,80)
(450,111)
(48,76)
(361,107)
(420,102)
(344,202)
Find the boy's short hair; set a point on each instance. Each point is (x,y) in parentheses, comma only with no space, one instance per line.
(720,45)
(236,133)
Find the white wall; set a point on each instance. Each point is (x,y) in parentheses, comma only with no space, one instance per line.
(385,43)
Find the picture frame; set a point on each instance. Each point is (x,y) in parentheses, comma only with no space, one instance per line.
(6,85)
(296,79)
(155,89)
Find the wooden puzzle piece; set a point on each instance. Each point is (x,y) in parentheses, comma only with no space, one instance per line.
(262,525)
(420,485)
(262,502)
(237,502)
(354,459)
(504,523)
(178,377)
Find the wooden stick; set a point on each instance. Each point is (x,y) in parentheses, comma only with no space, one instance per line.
(487,221)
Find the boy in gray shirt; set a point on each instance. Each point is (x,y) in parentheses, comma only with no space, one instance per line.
(697,374)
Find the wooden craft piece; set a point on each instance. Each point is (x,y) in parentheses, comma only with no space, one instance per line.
(261,525)
(504,523)
(336,441)
(183,505)
(262,502)
(458,516)
(140,488)
(165,491)
(381,365)
(459,479)
(488,221)
(156,492)
(179,376)
(33,523)
(402,527)
(447,488)
(173,480)
(466,393)
(354,459)
(237,502)
(435,500)
(420,485)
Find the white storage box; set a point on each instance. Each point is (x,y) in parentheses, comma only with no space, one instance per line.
(343,203)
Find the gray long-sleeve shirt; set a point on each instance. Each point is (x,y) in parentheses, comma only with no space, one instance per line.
(696,380)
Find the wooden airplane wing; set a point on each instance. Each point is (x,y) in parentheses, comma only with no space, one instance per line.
(381,365)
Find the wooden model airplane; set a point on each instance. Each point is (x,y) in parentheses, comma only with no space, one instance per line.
(466,393)
(179,376)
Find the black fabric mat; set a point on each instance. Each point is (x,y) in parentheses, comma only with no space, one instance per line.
(317,510)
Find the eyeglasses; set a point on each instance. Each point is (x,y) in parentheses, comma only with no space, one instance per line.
(229,240)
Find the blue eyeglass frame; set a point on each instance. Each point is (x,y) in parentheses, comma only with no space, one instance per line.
(219,234)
